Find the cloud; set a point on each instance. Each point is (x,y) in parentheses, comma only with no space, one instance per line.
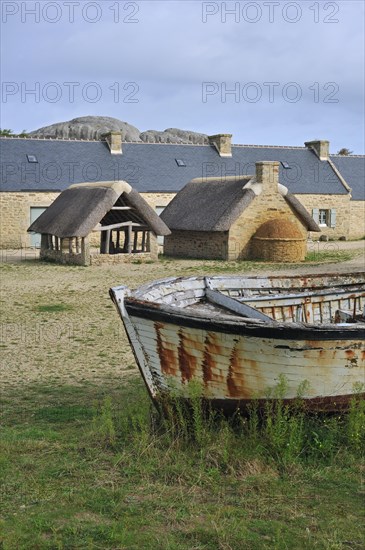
(171,52)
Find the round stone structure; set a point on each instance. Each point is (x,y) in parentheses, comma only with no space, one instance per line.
(278,240)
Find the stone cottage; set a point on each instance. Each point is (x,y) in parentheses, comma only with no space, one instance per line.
(35,170)
(127,225)
(238,218)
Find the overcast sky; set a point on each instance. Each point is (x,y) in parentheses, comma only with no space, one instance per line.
(268,72)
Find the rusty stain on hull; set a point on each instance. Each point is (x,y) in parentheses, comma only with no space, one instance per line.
(208,361)
(167,356)
(351,359)
(187,362)
(235,388)
(238,359)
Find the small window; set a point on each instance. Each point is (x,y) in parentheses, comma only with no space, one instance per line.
(32,158)
(324,217)
(180,162)
(285,165)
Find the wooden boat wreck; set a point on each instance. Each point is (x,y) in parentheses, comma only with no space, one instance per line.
(237,336)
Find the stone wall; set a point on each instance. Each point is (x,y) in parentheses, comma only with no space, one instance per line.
(78,256)
(357,219)
(265,207)
(63,257)
(158,199)
(112,259)
(279,250)
(15,216)
(197,244)
(344,225)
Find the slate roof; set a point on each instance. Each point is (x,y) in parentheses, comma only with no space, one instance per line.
(352,169)
(152,167)
(78,210)
(214,205)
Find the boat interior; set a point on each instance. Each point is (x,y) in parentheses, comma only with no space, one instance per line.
(310,299)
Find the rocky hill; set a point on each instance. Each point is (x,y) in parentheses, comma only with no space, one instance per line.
(94,127)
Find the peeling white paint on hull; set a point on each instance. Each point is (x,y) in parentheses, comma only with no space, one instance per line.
(237,359)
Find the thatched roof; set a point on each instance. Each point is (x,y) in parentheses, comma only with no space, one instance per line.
(208,205)
(214,204)
(80,208)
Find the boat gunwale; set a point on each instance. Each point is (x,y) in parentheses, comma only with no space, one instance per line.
(241,325)
(214,278)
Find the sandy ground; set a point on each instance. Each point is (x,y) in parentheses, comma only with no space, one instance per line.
(84,341)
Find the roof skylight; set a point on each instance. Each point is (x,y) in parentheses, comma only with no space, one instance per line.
(32,158)
(285,165)
(180,162)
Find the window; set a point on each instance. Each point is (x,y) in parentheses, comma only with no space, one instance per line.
(285,165)
(32,158)
(180,162)
(324,217)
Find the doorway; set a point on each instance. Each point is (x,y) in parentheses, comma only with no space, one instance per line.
(35,212)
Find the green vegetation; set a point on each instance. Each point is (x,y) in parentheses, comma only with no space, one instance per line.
(323,256)
(53,308)
(86,463)
(9,133)
(85,467)
(211,267)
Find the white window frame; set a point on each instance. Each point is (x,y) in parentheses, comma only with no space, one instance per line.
(324,217)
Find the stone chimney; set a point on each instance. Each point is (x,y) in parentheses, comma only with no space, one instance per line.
(267,174)
(223,144)
(320,147)
(114,140)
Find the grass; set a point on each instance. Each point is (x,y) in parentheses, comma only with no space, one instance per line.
(97,468)
(52,308)
(239,266)
(336,256)
(85,463)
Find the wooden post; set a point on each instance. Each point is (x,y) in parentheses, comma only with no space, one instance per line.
(118,239)
(70,243)
(56,243)
(50,243)
(107,241)
(129,239)
(125,244)
(148,248)
(135,241)
(102,242)
(143,241)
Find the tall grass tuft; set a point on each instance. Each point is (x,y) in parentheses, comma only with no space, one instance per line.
(103,428)
(186,437)
(355,425)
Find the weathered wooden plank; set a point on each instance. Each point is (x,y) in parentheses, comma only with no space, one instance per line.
(116,226)
(231,304)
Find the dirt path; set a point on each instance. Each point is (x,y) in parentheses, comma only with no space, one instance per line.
(58,325)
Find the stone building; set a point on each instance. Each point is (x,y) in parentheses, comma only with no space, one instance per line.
(127,225)
(228,220)
(34,171)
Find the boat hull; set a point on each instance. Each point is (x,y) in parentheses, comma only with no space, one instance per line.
(238,361)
